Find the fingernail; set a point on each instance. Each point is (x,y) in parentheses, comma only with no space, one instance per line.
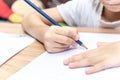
(71,65)
(66,62)
(88,71)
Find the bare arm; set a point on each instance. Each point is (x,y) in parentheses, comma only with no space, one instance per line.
(55,39)
(36,25)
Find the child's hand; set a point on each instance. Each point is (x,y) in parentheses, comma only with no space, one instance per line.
(57,39)
(105,56)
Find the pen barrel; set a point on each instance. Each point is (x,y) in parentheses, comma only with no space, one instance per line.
(79,42)
(46,16)
(42,12)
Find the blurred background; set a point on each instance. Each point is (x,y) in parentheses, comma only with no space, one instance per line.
(14,10)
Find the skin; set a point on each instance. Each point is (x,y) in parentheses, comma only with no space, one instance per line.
(62,37)
(107,55)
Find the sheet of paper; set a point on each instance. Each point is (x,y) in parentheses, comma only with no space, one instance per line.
(11,44)
(50,66)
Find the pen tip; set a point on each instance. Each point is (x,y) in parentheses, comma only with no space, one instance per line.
(84,46)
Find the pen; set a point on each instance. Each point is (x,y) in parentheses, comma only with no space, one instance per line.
(49,18)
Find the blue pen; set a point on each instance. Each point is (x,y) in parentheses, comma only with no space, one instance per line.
(49,18)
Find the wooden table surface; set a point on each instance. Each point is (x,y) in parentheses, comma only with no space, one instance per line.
(31,52)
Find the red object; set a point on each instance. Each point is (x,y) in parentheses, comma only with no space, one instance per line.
(5,10)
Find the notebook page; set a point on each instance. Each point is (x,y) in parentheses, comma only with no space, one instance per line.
(50,66)
(11,44)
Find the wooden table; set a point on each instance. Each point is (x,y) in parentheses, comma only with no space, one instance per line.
(31,52)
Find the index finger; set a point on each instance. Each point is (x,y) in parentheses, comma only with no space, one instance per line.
(67,31)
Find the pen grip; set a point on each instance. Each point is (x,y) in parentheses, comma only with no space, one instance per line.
(46,16)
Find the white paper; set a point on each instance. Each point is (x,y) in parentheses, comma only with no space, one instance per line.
(50,66)
(11,44)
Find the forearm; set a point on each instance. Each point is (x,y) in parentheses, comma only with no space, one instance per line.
(37,25)
(33,25)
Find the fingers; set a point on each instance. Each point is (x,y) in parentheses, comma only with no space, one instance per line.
(92,58)
(97,59)
(83,62)
(94,64)
(66,31)
(96,68)
(72,59)
(88,56)
(64,40)
(58,39)
(55,47)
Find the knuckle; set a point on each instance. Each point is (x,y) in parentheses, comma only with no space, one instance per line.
(47,36)
(48,47)
(67,32)
(90,61)
(50,50)
(66,40)
(104,65)
(101,66)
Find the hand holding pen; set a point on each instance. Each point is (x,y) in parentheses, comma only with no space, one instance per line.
(53,22)
(57,39)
